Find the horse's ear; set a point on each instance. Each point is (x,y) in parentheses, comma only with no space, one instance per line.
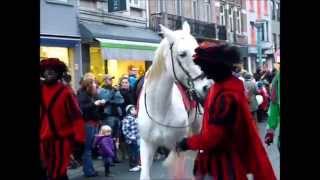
(186,27)
(167,33)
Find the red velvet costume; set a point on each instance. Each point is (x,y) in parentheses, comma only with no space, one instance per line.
(230,144)
(61,126)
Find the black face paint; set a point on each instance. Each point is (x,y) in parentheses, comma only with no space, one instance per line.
(50,76)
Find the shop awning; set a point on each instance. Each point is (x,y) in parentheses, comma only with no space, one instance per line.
(121,42)
(60,41)
(119,49)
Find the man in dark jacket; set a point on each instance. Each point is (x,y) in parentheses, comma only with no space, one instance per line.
(229,145)
(112,112)
(90,109)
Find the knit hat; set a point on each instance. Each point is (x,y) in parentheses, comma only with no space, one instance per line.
(128,108)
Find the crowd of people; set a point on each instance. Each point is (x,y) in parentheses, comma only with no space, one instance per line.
(96,121)
(100,120)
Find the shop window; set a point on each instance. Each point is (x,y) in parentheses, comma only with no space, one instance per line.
(96,63)
(120,68)
(64,54)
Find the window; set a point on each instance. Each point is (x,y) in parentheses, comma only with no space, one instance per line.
(278,11)
(273,9)
(161,6)
(135,3)
(267,31)
(238,12)
(262,35)
(230,24)
(222,18)
(274,40)
(178,6)
(207,12)
(195,9)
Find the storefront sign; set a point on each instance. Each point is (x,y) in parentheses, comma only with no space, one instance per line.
(117,5)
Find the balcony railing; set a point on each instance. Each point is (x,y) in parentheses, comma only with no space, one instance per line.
(198,28)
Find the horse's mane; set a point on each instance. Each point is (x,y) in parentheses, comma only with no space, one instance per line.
(158,65)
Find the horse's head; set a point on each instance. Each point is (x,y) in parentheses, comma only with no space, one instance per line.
(181,47)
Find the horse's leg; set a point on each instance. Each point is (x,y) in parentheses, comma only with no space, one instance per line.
(147,151)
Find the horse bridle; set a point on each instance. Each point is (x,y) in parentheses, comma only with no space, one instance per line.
(192,92)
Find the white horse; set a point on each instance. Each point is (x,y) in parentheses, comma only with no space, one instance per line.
(162,117)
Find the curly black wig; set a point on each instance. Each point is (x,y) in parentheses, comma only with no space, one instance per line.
(55,64)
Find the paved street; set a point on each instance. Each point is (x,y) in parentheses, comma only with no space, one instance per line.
(159,172)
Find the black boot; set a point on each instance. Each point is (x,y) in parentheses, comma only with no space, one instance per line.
(107,171)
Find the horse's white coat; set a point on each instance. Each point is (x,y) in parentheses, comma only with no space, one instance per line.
(164,102)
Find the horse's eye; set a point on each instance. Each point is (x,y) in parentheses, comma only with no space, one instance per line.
(183,54)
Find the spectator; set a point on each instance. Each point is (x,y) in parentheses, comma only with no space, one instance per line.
(274,108)
(263,107)
(105,145)
(131,134)
(112,110)
(87,97)
(129,98)
(251,89)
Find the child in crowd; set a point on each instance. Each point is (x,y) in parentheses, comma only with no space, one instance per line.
(104,143)
(131,134)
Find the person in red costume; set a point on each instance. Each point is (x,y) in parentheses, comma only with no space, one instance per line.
(228,145)
(61,122)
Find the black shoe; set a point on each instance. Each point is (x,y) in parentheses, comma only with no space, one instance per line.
(109,174)
(116,161)
(112,164)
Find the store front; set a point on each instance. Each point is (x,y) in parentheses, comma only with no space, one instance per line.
(119,50)
(65,49)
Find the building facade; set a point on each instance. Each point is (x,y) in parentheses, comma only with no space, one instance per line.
(114,42)
(233,15)
(200,14)
(59,35)
(275,23)
(261,52)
